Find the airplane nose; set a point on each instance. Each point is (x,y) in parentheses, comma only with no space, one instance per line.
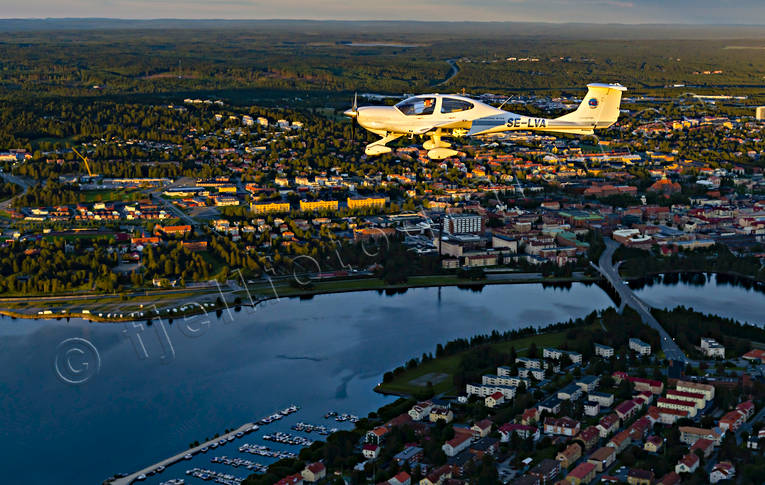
(351,113)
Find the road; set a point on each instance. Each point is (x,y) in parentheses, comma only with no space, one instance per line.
(610,271)
(5,205)
(455,70)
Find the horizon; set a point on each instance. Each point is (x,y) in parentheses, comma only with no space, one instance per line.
(388,20)
(626,12)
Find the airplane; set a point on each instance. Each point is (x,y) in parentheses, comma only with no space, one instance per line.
(436,116)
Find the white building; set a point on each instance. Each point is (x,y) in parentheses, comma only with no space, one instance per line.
(639,346)
(247,120)
(712,348)
(604,351)
(487,390)
(557,354)
(591,408)
(462,223)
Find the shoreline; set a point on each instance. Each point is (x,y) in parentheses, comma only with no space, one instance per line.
(166,299)
(374,284)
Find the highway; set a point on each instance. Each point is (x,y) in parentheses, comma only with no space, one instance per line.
(610,271)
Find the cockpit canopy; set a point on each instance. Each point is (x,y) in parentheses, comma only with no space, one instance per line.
(418,105)
(426,105)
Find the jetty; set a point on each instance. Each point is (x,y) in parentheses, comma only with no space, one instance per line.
(245,428)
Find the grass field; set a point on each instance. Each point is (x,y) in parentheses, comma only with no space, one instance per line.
(411,382)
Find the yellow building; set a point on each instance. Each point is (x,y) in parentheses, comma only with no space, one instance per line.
(363,202)
(318,205)
(267,207)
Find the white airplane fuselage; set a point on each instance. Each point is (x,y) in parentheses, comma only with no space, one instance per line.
(447,115)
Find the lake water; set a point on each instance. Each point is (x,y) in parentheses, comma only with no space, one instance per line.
(708,294)
(326,353)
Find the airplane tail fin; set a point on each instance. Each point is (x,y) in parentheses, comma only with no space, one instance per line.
(599,108)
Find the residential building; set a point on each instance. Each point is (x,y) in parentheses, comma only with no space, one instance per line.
(570,392)
(523,430)
(377,435)
(530,416)
(495,399)
(421,410)
(562,426)
(707,389)
(569,455)
(269,207)
(441,413)
(712,348)
(602,458)
(437,476)
(608,425)
(626,410)
(460,442)
(588,437)
(410,454)
(591,408)
(318,205)
(620,441)
(481,429)
(296,479)
(687,464)
(584,473)
(704,445)
(697,398)
(463,224)
(604,351)
(366,202)
(401,478)
(689,435)
(546,471)
(370,451)
(722,471)
(314,472)
(487,390)
(687,406)
(551,404)
(603,398)
(638,476)
(653,444)
(637,345)
(588,383)
(557,354)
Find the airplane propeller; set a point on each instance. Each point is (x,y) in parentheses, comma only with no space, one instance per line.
(353,114)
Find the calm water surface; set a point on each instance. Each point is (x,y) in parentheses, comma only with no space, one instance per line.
(326,353)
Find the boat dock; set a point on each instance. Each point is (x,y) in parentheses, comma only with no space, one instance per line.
(245,428)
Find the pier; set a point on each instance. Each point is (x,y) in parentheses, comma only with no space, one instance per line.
(245,428)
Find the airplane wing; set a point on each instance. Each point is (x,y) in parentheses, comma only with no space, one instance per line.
(443,124)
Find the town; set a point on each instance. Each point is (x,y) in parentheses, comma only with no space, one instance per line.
(280,191)
(614,413)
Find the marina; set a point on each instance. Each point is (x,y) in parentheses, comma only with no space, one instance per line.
(288,439)
(313,428)
(261,450)
(240,462)
(212,475)
(214,443)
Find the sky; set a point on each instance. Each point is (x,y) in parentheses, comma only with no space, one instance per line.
(751,12)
